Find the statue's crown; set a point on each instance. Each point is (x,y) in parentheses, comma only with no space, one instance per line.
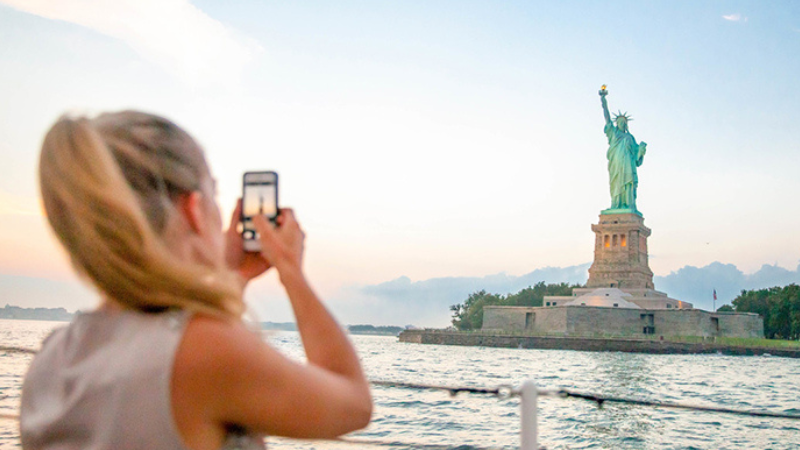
(624,115)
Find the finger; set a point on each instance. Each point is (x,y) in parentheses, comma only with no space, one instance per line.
(237,210)
(291,222)
(236,216)
(287,216)
(265,230)
(283,214)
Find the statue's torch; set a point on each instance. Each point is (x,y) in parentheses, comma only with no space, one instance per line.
(603,92)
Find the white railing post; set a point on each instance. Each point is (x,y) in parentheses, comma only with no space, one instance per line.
(529,431)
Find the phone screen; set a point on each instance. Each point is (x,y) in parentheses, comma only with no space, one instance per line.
(259,197)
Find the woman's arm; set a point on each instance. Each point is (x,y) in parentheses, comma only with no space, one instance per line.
(225,375)
(325,343)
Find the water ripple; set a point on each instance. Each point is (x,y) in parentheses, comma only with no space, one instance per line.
(411,419)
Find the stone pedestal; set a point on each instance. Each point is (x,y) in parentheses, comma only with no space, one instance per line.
(620,253)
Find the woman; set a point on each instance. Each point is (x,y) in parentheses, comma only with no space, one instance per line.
(165,361)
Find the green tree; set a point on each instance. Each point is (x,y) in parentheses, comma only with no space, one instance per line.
(725,308)
(469,315)
(779,306)
(793,297)
(784,320)
(534,295)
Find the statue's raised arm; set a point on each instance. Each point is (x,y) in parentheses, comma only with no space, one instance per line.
(603,92)
(624,156)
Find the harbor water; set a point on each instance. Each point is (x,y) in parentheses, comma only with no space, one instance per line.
(409,418)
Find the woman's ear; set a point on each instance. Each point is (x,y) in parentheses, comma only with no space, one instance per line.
(190,207)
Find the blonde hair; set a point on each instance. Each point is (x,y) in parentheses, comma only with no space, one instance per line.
(108,186)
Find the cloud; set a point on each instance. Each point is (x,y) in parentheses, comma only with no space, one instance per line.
(735,17)
(173,34)
(427,302)
(696,284)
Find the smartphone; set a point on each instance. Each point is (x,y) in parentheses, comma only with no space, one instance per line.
(259,197)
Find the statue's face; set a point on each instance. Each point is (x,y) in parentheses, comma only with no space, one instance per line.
(622,124)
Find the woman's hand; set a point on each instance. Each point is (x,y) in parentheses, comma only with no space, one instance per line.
(226,375)
(248,264)
(281,246)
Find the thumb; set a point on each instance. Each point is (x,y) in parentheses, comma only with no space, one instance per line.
(266,231)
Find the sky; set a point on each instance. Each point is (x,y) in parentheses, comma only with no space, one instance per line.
(431,149)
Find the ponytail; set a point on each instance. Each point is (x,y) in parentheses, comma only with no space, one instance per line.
(108,186)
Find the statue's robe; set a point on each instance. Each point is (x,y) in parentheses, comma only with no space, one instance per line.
(624,156)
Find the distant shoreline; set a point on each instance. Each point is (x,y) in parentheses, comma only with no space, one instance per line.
(362,329)
(590,344)
(62,315)
(52,314)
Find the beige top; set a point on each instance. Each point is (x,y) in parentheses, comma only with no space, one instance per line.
(103,382)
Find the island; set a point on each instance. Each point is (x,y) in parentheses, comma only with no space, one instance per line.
(19,313)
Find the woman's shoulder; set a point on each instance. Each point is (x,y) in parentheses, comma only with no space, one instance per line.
(215,356)
(211,343)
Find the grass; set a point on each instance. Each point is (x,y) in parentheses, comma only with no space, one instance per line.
(740,342)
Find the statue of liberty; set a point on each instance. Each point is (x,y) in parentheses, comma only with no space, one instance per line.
(624,156)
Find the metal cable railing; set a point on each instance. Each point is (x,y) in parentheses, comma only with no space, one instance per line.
(12,349)
(505,391)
